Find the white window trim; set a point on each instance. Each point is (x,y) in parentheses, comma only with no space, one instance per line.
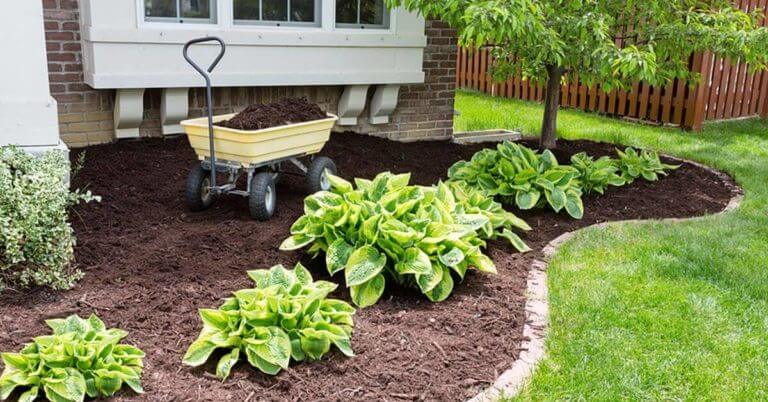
(280,24)
(214,20)
(224,20)
(384,26)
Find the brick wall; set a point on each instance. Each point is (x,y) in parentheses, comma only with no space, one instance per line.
(85,114)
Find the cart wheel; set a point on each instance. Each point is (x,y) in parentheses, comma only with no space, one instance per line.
(263,197)
(199,197)
(317,178)
(274,170)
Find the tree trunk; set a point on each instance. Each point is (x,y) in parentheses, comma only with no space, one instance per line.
(551,105)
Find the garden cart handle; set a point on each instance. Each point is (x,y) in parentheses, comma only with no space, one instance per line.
(208,96)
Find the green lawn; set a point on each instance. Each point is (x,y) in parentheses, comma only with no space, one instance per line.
(656,310)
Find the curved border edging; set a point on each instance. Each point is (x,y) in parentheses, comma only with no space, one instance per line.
(512,381)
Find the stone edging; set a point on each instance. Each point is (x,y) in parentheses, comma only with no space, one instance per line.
(512,381)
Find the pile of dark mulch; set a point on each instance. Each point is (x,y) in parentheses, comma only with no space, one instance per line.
(282,112)
(150,264)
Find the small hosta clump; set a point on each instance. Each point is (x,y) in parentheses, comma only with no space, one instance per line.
(645,164)
(523,176)
(287,315)
(597,175)
(385,229)
(82,357)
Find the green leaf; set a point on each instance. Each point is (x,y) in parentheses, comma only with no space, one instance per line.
(442,290)
(198,353)
(337,255)
(414,262)
(556,199)
(452,258)
(339,185)
(314,343)
(296,242)
(515,240)
(214,318)
(256,361)
(527,200)
(427,282)
(368,293)
(70,387)
(224,367)
(574,206)
(276,349)
(30,395)
(364,264)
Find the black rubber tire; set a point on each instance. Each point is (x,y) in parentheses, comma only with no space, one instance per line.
(262,190)
(197,199)
(315,173)
(274,170)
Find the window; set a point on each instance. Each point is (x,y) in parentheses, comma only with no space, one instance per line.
(277,12)
(362,14)
(193,11)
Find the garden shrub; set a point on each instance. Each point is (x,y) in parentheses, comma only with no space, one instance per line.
(519,175)
(287,315)
(80,358)
(645,164)
(597,175)
(36,238)
(414,235)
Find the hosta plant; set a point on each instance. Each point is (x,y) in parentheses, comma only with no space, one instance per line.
(596,175)
(645,164)
(523,176)
(385,229)
(82,357)
(286,315)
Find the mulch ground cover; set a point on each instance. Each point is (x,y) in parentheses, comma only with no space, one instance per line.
(150,265)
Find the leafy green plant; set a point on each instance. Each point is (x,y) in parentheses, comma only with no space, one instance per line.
(80,358)
(645,164)
(387,229)
(523,176)
(36,240)
(287,315)
(596,175)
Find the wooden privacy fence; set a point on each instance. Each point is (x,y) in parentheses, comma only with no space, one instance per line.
(727,89)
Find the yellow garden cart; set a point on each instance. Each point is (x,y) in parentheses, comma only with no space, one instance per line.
(259,154)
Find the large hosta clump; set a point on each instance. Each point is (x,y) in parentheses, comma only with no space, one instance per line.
(287,315)
(528,178)
(384,229)
(82,357)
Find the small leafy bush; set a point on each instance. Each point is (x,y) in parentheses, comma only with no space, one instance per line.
(36,240)
(287,315)
(387,229)
(523,176)
(645,164)
(80,358)
(597,175)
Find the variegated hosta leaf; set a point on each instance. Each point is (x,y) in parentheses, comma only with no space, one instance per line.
(364,264)
(368,293)
(414,234)
(264,323)
(57,365)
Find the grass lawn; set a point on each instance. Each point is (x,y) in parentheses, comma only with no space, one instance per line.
(656,310)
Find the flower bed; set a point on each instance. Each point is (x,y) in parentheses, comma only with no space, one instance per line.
(150,265)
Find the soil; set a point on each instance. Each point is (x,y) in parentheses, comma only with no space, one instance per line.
(283,111)
(150,265)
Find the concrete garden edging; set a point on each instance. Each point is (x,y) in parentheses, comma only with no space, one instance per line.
(512,381)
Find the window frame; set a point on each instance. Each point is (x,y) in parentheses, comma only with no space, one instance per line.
(213,20)
(272,23)
(385,24)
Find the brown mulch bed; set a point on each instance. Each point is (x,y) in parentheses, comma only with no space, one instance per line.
(284,111)
(150,265)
